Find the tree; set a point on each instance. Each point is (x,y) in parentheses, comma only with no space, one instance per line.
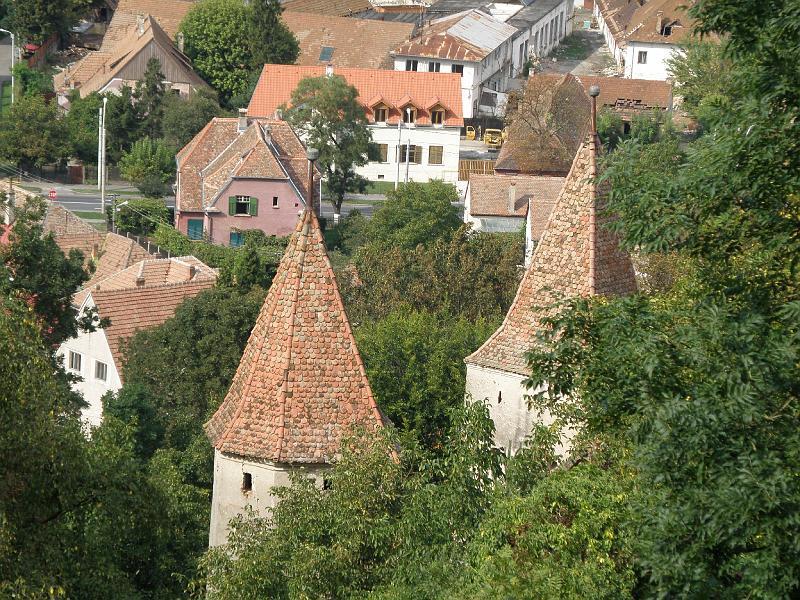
(703,79)
(123,122)
(141,216)
(34,269)
(36,20)
(32,133)
(80,124)
(272,42)
(149,165)
(31,81)
(214,40)
(149,98)
(415,365)
(184,118)
(416,213)
(325,111)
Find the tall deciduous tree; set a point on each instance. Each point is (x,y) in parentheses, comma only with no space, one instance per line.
(272,42)
(326,111)
(183,118)
(32,133)
(149,97)
(149,165)
(38,19)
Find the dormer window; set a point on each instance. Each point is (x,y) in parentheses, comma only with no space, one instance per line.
(437,116)
(410,114)
(381,114)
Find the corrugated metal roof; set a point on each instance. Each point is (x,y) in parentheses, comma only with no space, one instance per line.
(480,29)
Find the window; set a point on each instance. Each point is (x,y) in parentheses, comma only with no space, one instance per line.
(326,54)
(274,202)
(100,370)
(499,397)
(409,114)
(378,153)
(457,69)
(435,154)
(242,205)
(380,113)
(412,153)
(434,67)
(74,361)
(437,116)
(247,482)
(642,58)
(194,229)
(667,31)
(412,64)
(236,239)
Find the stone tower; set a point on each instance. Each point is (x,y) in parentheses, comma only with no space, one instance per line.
(299,388)
(576,256)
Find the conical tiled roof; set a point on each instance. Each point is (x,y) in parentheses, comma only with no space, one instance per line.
(576,256)
(300,385)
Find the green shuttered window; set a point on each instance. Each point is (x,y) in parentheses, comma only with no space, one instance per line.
(243,205)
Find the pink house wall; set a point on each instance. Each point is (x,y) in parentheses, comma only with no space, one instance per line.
(279,221)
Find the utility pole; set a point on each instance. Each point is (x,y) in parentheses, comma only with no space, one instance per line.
(103,155)
(399,145)
(113,212)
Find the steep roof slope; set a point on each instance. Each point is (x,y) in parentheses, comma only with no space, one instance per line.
(576,256)
(117,253)
(394,89)
(351,42)
(644,20)
(337,8)
(300,384)
(70,231)
(622,93)
(169,15)
(489,194)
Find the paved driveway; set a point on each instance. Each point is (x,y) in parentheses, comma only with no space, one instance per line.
(5,59)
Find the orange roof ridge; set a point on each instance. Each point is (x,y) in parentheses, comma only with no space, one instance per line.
(576,256)
(301,383)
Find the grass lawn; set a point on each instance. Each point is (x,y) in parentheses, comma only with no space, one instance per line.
(574,47)
(89,214)
(5,96)
(32,188)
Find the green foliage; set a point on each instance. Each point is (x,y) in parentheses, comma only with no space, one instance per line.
(149,97)
(141,216)
(32,133)
(272,42)
(610,127)
(149,165)
(123,123)
(134,406)
(414,362)
(325,111)
(80,125)
(184,118)
(31,81)
(36,20)
(416,213)
(703,78)
(35,270)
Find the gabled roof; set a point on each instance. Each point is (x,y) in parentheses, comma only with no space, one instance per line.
(97,69)
(300,385)
(151,272)
(639,20)
(638,94)
(70,231)
(169,15)
(116,254)
(354,42)
(277,82)
(576,256)
(547,126)
(267,149)
(489,194)
(338,8)
(133,309)
(469,36)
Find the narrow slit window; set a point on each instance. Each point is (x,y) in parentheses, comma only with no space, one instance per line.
(274,202)
(247,482)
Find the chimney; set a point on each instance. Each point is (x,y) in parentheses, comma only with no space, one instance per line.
(267,133)
(279,114)
(179,39)
(140,281)
(659,21)
(512,198)
(140,25)
(328,70)
(594,92)
(192,271)
(242,119)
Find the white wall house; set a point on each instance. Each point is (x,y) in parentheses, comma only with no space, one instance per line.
(649,60)
(415,117)
(474,44)
(541,26)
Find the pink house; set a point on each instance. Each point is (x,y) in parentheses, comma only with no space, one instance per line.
(237,175)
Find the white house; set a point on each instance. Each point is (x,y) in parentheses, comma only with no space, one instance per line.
(541,26)
(141,296)
(415,118)
(473,44)
(643,35)
(576,256)
(299,390)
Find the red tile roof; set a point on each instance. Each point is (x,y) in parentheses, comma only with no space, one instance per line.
(622,94)
(267,149)
(639,21)
(300,385)
(361,43)
(134,309)
(338,8)
(489,194)
(277,82)
(576,256)
(117,253)
(70,231)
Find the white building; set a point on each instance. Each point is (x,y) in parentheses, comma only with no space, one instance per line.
(540,28)
(299,389)
(473,44)
(576,256)
(141,296)
(424,146)
(643,35)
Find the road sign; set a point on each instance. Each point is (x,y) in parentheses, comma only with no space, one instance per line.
(52,194)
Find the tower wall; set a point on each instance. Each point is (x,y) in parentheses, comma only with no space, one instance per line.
(229,497)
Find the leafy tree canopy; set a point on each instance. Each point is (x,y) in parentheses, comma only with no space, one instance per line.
(184,118)
(32,133)
(150,165)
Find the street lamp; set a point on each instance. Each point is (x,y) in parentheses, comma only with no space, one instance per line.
(13,57)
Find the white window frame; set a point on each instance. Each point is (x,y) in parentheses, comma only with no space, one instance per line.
(102,367)
(641,57)
(73,358)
